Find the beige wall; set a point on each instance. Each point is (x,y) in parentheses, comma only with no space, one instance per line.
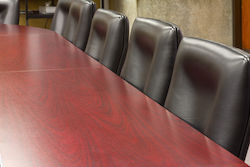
(127,7)
(209,19)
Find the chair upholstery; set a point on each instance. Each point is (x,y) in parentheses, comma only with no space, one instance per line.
(9,12)
(79,22)
(60,17)
(108,38)
(210,90)
(150,58)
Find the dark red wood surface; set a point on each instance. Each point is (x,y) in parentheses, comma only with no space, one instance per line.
(59,107)
(30,48)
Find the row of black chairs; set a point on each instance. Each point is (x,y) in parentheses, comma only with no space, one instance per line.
(203,82)
(104,36)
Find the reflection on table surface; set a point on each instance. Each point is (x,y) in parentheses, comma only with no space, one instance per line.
(60,107)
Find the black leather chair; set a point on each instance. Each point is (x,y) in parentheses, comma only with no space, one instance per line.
(79,22)
(9,12)
(60,17)
(150,57)
(210,90)
(108,38)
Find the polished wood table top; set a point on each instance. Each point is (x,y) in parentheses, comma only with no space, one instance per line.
(60,107)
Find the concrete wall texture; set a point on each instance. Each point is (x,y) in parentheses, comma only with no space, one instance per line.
(208,19)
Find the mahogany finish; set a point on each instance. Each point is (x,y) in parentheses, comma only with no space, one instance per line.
(60,107)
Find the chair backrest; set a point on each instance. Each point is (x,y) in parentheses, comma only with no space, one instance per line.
(79,22)
(150,57)
(108,38)
(60,17)
(210,91)
(9,12)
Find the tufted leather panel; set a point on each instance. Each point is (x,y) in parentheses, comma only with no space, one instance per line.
(108,39)
(9,12)
(79,21)
(150,57)
(60,17)
(210,90)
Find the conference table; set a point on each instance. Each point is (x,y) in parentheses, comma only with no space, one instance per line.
(60,107)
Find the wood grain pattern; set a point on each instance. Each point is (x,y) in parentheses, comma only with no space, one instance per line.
(82,114)
(90,117)
(31,50)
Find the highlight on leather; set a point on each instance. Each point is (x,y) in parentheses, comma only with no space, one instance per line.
(60,17)
(151,55)
(210,91)
(108,38)
(78,23)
